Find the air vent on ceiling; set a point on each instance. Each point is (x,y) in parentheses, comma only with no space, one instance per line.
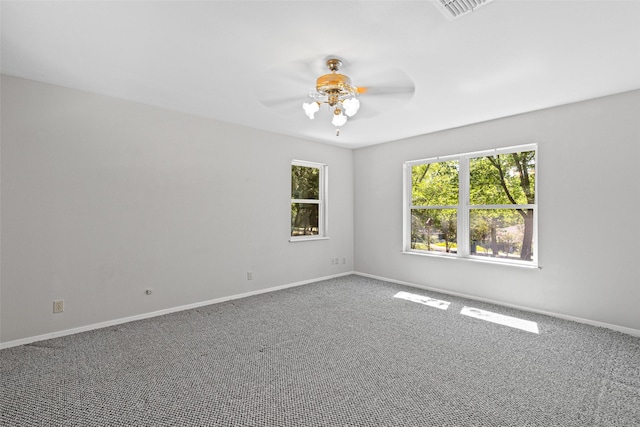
(456,8)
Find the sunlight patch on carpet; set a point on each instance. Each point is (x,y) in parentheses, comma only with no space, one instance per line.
(421,299)
(514,322)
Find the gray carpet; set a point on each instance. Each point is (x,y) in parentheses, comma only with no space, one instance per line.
(341,352)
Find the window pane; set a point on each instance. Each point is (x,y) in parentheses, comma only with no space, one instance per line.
(305,182)
(502,179)
(435,184)
(434,230)
(502,233)
(304,219)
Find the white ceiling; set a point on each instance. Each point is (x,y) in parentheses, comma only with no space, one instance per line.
(221,59)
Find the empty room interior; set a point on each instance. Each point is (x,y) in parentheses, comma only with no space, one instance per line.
(301,213)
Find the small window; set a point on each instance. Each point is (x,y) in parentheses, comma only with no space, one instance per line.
(478,205)
(308,200)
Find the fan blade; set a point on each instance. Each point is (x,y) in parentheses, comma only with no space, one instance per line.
(284,87)
(386,90)
(301,72)
(285,106)
(390,80)
(383,90)
(283,102)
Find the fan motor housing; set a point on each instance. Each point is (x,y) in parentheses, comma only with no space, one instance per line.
(334,83)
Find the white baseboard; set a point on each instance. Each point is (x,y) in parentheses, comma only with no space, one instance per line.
(56,334)
(623,329)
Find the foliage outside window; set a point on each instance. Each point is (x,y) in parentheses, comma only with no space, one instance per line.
(478,205)
(308,205)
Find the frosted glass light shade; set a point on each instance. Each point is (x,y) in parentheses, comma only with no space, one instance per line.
(351,106)
(310,109)
(339,119)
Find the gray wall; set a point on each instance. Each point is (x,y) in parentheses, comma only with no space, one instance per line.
(103,198)
(589,232)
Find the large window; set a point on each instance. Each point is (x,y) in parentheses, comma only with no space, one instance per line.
(478,205)
(308,200)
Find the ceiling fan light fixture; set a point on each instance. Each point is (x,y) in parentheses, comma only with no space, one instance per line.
(335,90)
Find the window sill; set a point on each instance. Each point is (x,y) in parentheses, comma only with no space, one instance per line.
(306,239)
(513,263)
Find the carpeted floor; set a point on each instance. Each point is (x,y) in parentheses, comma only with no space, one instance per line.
(342,352)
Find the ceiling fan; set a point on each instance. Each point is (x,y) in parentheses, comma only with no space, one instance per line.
(389,89)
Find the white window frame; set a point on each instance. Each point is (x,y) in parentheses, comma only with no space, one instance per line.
(464,207)
(323,225)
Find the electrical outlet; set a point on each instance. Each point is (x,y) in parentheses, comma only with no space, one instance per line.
(58,306)
(249,275)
